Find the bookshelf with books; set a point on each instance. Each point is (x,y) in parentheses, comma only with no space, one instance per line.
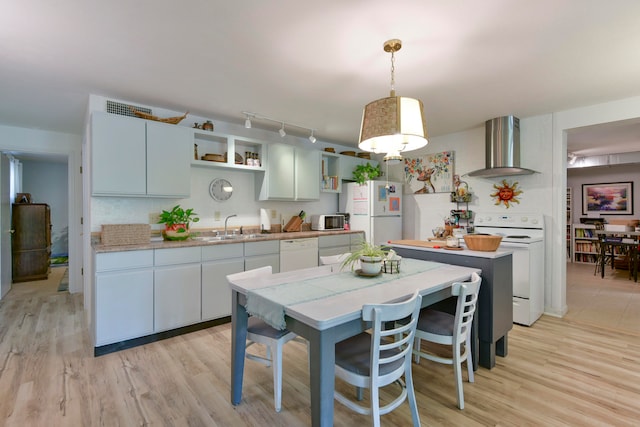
(583,245)
(569,223)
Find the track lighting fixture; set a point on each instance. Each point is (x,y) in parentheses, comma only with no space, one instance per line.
(249,116)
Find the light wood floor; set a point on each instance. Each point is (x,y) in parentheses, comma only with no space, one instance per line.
(582,370)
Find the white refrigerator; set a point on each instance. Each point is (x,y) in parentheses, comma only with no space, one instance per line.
(374,207)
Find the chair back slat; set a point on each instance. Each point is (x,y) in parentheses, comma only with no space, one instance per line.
(467,293)
(384,350)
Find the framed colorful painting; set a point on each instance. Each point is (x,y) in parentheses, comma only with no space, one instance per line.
(432,173)
(613,198)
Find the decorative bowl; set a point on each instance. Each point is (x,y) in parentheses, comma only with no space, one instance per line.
(482,242)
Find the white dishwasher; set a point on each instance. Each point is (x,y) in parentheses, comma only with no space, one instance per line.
(298,253)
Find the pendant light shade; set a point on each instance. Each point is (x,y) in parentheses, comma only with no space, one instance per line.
(394,124)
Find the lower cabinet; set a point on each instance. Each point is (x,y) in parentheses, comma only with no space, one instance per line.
(217,263)
(177,294)
(262,254)
(338,244)
(176,299)
(123,296)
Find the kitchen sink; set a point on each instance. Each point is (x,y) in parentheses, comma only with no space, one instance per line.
(229,237)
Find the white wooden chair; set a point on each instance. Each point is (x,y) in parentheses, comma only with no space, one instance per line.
(373,360)
(259,332)
(335,261)
(444,328)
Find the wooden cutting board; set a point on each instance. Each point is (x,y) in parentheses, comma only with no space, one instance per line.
(421,243)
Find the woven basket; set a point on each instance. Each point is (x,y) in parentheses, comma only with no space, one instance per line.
(170,120)
(125,234)
(482,242)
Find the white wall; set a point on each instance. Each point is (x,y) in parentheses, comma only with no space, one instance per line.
(47,182)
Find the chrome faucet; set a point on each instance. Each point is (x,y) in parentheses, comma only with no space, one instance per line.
(225,223)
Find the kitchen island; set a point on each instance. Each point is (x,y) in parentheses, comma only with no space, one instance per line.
(495,301)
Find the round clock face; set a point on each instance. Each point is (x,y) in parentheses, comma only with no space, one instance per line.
(220,189)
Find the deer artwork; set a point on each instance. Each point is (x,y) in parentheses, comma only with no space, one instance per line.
(425,176)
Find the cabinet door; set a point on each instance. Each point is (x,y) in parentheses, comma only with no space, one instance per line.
(263,261)
(278,179)
(216,293)
(307,171)
(118,155)
(124,305)
(169,153)
(176,296)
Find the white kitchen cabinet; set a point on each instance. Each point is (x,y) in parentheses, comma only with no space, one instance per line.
(356,240)
(262,254)
(123,296)
(307,170)
(218,262)
(135,157)
(177,288)
(333,245)
(291,174)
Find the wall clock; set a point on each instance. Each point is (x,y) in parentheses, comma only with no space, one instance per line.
(220,189)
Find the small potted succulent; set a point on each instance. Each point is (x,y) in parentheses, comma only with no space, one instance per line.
(370,257)
(365,172)
(177,222)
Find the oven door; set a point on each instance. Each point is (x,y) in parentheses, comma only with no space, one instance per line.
(521,268)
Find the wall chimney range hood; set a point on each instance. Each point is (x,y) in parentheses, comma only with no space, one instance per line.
(502,149)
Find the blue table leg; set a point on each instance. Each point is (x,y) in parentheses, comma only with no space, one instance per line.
(239,319)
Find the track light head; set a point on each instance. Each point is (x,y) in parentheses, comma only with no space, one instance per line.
(312,138)
(282,132)
(247,123)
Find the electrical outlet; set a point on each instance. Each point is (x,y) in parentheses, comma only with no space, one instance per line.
(154,218)
(216,215)
(274,214)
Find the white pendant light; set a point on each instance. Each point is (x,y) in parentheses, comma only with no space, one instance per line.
(395,124)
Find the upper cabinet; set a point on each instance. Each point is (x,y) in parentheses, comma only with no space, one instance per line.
(135,157)
(291,173)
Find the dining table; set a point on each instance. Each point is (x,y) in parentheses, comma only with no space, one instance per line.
(324,306)
(627,241)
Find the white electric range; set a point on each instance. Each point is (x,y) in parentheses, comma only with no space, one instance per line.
(524,235)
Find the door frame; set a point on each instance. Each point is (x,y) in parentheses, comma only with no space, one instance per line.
(16,140)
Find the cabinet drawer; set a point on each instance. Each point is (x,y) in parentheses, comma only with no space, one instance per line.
(123,260)
(178,255)
(214,252)
(335,240)
(262,248)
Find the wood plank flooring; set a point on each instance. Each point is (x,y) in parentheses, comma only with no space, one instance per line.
(578,371)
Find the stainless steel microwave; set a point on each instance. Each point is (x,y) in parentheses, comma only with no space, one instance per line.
(327,222)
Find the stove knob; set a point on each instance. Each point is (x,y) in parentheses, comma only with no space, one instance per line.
(524,219)
(534,221)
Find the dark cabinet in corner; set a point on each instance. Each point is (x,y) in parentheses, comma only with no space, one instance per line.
(30,241)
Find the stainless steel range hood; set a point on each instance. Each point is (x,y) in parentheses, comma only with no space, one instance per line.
(502,150)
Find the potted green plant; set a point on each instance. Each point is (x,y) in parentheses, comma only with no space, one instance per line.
(370,257)
(365,172)
(176,222)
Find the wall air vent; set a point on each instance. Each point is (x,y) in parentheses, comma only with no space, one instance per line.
(125,109)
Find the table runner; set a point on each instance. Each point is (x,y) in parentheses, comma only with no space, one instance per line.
(269,303)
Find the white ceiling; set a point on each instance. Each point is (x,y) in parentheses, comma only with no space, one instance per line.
(317,64)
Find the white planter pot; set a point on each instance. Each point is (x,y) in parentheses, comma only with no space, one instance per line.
(370,265)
